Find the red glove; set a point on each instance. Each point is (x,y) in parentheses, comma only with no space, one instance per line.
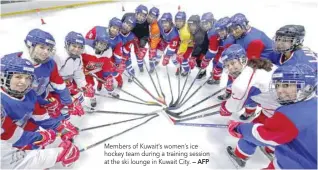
(109,83)
(71,87)
(75,108)
(67,130)
(165,60)
(69,154)
(180,58)
(152,53)
(141,53)
(232,129)
(205,62)
(88,90)
(192,62)
(223,110)
(53,108)
(48,137)
(121,68)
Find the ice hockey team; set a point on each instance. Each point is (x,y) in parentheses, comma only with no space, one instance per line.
(40,90)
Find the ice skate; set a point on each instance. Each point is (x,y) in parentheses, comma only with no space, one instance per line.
(224,96)
(201,75)
(141,69)
(269,154)
(241,162)
(213,82)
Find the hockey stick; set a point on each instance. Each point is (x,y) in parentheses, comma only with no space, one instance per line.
(169,85)
(203,125)
(126,113)
(139,84)
(163,95)
(114,123)
(103,81)
(197,117)
(193,93)
(176,107)
(153,83)
(130,101)
(180,96)
(196,104)
(118,134)
(193,113)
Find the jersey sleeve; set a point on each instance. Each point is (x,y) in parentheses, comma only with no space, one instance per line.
(172,46)
(79,75)
(16,135)
(255,49)
(213,47)
(185,38)
(276,130)
(118,52)
(59,86)
(154,35)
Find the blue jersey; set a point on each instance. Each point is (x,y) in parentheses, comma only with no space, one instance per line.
(171,38)
(128,40)
(256,43)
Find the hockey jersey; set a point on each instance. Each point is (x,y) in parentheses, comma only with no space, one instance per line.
(154,35)
(116,44)
(47,74)
(256,43)
(128,40)
(201,44)
(217,45)
(186,39)
(171,38)
(250,82)
(18,113)
(293,132)
(94,63)
(141,31)
(70,68)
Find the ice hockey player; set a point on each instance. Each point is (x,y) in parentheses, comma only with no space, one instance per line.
(292,130)
(141,31)
(40,45)
(18,108)
(201,44)
(186,42)
(170,39)
(154,36)
(70,66)
(128,39)
(207,21)
(98,58)
(219,39)
(288,47)
(256,43)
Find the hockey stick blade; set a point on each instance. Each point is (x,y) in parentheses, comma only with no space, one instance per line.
(202,125)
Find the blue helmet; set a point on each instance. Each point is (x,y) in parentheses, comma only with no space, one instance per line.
(303,76)
(239,19)
(180,15)
(131,20)
(14,64)
(74,38)
(141,9)
(166,17)
(115,22)
(154,11)
(222,23)
(289,33)
(235,51)
(37,36)
(207,17)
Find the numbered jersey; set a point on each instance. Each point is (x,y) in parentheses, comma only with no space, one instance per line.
(171,38)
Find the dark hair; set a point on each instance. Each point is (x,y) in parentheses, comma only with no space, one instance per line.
(260,63)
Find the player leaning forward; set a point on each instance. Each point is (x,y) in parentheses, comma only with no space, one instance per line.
(292,129)
(17,105)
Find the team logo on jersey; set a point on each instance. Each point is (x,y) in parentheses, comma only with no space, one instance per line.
(40,85)
(94,65)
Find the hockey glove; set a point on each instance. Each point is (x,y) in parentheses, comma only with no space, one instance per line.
(75,108)
(88,90)
(109,83)
(192,62)
(69,154)
(223,110)
(141,53)
(53,108)
(67,130)
(165,60)
(180,58)
(48,137)
(152,53)
(232,129)
(205,62)
(120,68)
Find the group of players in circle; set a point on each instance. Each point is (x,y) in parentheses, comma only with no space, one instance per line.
(278,75)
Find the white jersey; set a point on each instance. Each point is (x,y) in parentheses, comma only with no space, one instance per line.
(70,68)
(13,158)
(241,86)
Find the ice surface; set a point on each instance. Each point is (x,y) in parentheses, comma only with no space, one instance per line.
(267,16)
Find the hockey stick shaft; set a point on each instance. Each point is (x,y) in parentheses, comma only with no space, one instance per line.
(198,117)
(163,95)
(130,101)
(118,134)
(153,83)
(126,113)
(202,125)
(114,123)
(190,86)
(169,82)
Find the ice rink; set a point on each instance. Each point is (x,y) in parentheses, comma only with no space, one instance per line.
(266,15)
